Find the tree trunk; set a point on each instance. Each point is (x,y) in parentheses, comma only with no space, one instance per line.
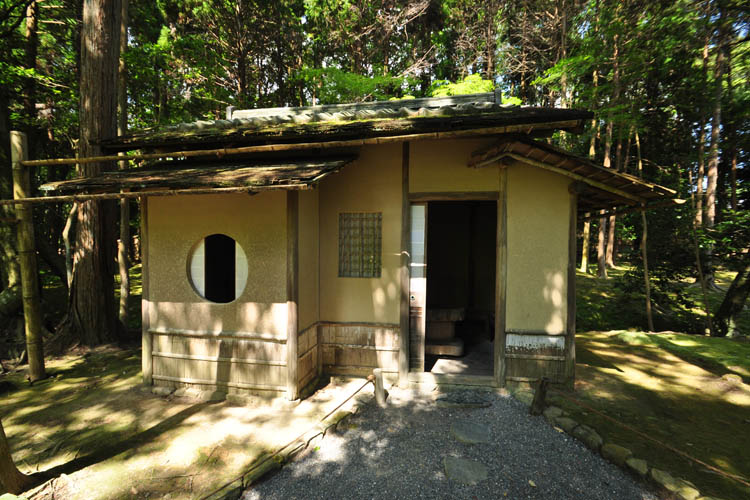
(725,319)
(11,478)
(10,274)
(585,246)
(600,248)
(122,128)
(91,310)
(713,154)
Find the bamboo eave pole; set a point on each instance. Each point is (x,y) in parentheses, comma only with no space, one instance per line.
(162,192)
(220,152)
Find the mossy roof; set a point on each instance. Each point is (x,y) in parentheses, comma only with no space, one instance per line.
(352,121)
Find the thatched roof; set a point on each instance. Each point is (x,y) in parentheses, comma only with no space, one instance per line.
(192,174)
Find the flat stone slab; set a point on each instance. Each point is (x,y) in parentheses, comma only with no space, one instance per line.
(470,433)
(463,399)
(464,471)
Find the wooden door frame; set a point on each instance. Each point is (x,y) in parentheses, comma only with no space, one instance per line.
(498,377)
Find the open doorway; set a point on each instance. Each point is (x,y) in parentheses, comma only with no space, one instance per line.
(460,287)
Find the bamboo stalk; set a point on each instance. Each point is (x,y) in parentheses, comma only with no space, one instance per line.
(162,192)
(220,152)
(27,259)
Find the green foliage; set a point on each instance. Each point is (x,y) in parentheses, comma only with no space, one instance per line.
(333,85)
(472,84)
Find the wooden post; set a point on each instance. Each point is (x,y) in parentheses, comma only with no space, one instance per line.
(403,352)
(379,388)
(501,275)
(27,257)
(147,361)
(292,290)
(646,279)
(540,397)
(570,330)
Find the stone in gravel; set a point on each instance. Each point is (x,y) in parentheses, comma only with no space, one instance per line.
(680,487)
(470,433)
(524,397)
(552,413)
(616,454)
(464,471)
(638,466)
(566,424)
(212,396)
(187,392)
(463,399)
(162,391)
(589,437)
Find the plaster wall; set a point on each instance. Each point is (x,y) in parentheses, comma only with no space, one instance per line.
(538,209)
(372,183)
(257,223)
(440,166)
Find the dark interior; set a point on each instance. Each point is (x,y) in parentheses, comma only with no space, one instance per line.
(461,247)
(219,268)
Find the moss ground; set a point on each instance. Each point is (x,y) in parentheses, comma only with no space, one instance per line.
(667,385)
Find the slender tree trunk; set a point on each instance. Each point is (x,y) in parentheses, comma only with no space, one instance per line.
(585,245)
(646,278)
(10,477)
(731,132)
(91,310)
(122,128)
(713,154)
(10,275)
(600,248)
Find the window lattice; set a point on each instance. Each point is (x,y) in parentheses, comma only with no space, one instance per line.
(360,241)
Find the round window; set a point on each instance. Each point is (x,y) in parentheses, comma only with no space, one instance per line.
(217,267)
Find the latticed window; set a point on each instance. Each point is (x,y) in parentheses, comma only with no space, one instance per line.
(360,238)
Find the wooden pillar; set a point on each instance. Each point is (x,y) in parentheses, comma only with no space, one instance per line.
(570,330)
(147,366)
(501,273)
(292,291)
(403,351)
(27,256)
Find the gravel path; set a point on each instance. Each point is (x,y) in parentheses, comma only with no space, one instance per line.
(399,452)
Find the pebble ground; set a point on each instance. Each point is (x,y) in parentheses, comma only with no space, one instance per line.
(397,452)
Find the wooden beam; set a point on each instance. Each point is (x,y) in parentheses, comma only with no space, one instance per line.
(221,152)
(147,360)
(501,277)
(403,339)
(292,291)
(32,309)
(570,329)
(648,206)
(162,192)
(571,175)
(453,196)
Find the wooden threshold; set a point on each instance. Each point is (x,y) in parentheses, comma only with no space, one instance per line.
(452,379)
